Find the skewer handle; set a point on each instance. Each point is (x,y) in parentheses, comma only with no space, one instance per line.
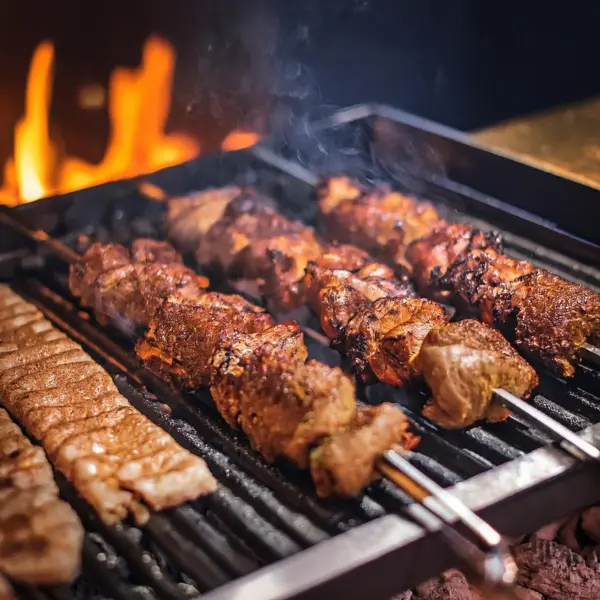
(571,442)
(496,566)
(486,535)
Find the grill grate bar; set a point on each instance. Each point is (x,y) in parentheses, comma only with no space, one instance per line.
(102,573)
(262,536)
(217,545)
(180,551)
(562,415)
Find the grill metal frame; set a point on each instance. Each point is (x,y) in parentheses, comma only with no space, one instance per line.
(380,557)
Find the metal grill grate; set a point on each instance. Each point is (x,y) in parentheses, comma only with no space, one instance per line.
(264,514)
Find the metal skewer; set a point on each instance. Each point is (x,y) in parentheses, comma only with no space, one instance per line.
(571,442)
(488,557)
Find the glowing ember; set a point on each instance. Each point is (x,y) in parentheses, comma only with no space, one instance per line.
(138,104)
(237,140)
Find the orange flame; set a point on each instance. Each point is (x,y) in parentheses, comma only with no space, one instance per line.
(237,140)
(138,104)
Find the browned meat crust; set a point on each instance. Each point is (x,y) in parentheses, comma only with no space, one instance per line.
(431,255)
(115,457)
(336,294)
(383,338)
(234,347)
(190,217)
(474,279)
(247,220)
(381,221)
(548,318)
(345,463)
(462,363)
(182,338)
(280,263)
(372,280)
(345,256)
(119,284)
(286,407)
(40,535)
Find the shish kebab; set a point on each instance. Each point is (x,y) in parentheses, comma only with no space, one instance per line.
(547,318)
(260,381)
(372,317)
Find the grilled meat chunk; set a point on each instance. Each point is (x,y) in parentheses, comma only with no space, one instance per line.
(477,277)
(462,363)
(40,535)
(382,221)
(548,318)
(383,338)
(190,217)
(373,280)
(345,256)
(335,295)
(344,464)
(247,220)
(182,337)
(147,250)
(279,263)
(431,255)
(334,191)
(286,408)
(110,280)
(234,347)
(115,457)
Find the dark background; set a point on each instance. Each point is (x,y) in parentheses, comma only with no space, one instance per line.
(259,63)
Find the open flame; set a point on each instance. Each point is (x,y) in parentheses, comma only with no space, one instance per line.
(138,104)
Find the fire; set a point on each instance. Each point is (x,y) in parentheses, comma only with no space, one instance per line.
(138,105)
(237,140)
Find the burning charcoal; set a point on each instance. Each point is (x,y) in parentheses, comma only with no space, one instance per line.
(590,523)
(525,594)
(450,585)
(568,535)
(555,571)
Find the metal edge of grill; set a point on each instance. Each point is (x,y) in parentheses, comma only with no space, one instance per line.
(508,496)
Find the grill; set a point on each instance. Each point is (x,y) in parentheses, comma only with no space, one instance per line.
(264,534)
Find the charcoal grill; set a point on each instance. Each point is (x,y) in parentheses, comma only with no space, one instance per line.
(264,534)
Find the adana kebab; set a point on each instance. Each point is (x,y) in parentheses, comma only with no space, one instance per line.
(376,320)
(303,411)
(116,458)
(372,317)
(40,535)
(547,318)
